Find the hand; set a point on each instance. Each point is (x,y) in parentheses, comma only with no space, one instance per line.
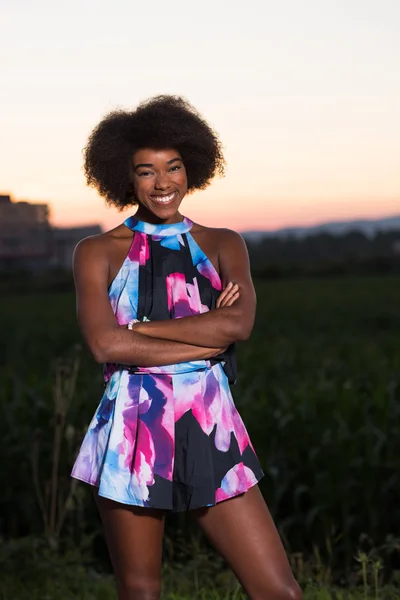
(211,352)
(228,296)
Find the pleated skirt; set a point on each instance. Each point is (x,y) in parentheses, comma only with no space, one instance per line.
(169,441)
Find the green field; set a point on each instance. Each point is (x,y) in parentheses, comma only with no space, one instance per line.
(319,390)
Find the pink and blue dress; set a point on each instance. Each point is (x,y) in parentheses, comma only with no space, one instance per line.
(167,437)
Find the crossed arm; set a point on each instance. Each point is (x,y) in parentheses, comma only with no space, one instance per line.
(163,342)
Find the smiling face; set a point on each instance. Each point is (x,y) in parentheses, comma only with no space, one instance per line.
(160,183)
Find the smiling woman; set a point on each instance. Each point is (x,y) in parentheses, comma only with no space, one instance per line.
(160,123)
(161,302)
(161,183)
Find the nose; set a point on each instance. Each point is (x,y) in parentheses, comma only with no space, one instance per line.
(162,181)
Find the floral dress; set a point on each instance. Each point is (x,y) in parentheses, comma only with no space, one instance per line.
(167,437)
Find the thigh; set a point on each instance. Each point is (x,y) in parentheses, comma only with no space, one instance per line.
(243,532)
(134,538)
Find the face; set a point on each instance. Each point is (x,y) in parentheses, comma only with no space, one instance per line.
(160,183)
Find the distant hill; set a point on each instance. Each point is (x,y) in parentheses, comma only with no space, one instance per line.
(367,226)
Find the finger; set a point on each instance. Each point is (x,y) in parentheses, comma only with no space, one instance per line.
(226,289)
(233,299)
(223,294)
(226,301)
(229,295)
(231,290)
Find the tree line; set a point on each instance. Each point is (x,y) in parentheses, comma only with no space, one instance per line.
(325,254)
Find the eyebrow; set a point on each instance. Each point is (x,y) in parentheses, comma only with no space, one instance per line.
(149,165)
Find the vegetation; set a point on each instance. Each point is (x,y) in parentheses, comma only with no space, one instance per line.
(326,254)
(33,571)
(319,390)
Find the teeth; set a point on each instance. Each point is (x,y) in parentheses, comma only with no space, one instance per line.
(163,199)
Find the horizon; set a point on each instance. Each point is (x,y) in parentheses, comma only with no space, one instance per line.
(304,100)
(306,225)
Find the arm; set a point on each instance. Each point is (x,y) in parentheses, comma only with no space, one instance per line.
(227,324)
(108,341)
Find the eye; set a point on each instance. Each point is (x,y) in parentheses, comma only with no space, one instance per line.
(144,173)
(175,168)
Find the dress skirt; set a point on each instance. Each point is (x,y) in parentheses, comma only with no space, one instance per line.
(173,441)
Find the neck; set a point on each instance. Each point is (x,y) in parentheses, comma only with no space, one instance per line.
(143,214)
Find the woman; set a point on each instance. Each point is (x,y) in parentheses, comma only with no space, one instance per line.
(161,301)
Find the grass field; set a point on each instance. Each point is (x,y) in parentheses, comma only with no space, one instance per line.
(319,390)
(36,572)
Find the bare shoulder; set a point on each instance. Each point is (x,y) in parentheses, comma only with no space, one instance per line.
(222,237)
(101,246)
(90,248)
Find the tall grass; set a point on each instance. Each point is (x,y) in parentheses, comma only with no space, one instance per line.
(321,395)
(36,572)
(318,390)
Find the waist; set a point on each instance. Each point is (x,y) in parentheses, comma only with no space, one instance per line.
(176,369)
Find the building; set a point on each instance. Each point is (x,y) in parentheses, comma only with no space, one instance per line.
(64,240)
(25,233)
(28,241)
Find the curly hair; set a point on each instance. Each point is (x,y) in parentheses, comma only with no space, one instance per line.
(161,122)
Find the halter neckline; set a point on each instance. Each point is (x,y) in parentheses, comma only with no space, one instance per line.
(160,229)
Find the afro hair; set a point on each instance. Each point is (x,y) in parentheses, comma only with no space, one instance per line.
(161,122)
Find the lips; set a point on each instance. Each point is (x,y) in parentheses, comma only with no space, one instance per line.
(163,198)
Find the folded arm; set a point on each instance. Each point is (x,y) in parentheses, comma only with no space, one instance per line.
(222,326)
(107,341)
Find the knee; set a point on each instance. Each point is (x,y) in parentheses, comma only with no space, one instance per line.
(283,590)
(293,592)
(139,589)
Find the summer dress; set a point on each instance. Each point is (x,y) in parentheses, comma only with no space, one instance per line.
(167,437)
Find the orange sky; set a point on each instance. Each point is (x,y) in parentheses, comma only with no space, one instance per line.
(303,95)
(205,208)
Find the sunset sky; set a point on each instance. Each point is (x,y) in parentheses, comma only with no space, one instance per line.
(304,94)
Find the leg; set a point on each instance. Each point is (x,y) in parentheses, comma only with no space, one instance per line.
(243,532)
(134,539)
